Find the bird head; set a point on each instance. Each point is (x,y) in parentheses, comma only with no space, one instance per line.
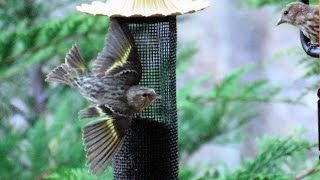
(140,97)
(294,14)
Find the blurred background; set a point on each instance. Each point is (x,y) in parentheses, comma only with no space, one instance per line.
(246,92)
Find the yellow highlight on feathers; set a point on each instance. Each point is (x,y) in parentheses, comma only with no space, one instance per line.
(83,69)
(122,61)
(112,129)
(100,111)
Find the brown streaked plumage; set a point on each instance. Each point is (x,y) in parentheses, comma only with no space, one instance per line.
(303,16)
(113,90)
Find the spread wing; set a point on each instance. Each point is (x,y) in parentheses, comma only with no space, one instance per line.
(99,111)
(119,57)
(103,138)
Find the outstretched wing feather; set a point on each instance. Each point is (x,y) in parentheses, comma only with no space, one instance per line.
(119,57)
(102,139)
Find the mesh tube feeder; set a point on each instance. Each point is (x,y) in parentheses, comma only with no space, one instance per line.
(150,150)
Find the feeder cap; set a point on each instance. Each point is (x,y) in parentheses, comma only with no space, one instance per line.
(143,8)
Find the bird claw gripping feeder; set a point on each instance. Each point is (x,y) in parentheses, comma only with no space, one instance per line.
(150,150)
(313,52)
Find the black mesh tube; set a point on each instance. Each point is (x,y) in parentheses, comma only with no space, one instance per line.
(150,150)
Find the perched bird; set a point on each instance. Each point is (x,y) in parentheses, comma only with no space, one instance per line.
(113,90)
(303,16)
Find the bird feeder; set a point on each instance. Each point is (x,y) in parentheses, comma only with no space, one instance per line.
(150,150)
(313,52)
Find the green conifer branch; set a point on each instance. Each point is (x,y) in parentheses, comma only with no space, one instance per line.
(22,48)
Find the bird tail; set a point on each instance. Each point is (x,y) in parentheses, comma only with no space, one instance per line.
(73,67)
(102,140)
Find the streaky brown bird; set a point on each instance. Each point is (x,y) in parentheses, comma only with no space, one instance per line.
(113,90)
(303,16)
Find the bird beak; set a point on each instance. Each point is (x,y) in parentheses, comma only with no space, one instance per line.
(156,97)
(281,21)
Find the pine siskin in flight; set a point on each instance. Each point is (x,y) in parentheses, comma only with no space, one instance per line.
(303,16)
(113,90)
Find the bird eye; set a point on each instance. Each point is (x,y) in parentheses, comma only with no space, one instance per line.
(286,13)
(145,95)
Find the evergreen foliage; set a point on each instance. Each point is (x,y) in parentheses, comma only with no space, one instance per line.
(278,158)
(272,158)
(44,41)
(222,109)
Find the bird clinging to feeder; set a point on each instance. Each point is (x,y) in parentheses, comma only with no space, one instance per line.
(150,150)
(305,17)
(113,90)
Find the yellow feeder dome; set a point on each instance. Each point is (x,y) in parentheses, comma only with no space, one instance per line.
(143,8)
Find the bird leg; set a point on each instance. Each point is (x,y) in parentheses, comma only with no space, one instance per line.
(311,46)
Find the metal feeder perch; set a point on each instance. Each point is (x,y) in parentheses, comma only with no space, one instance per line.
(150,150)
(313,52)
